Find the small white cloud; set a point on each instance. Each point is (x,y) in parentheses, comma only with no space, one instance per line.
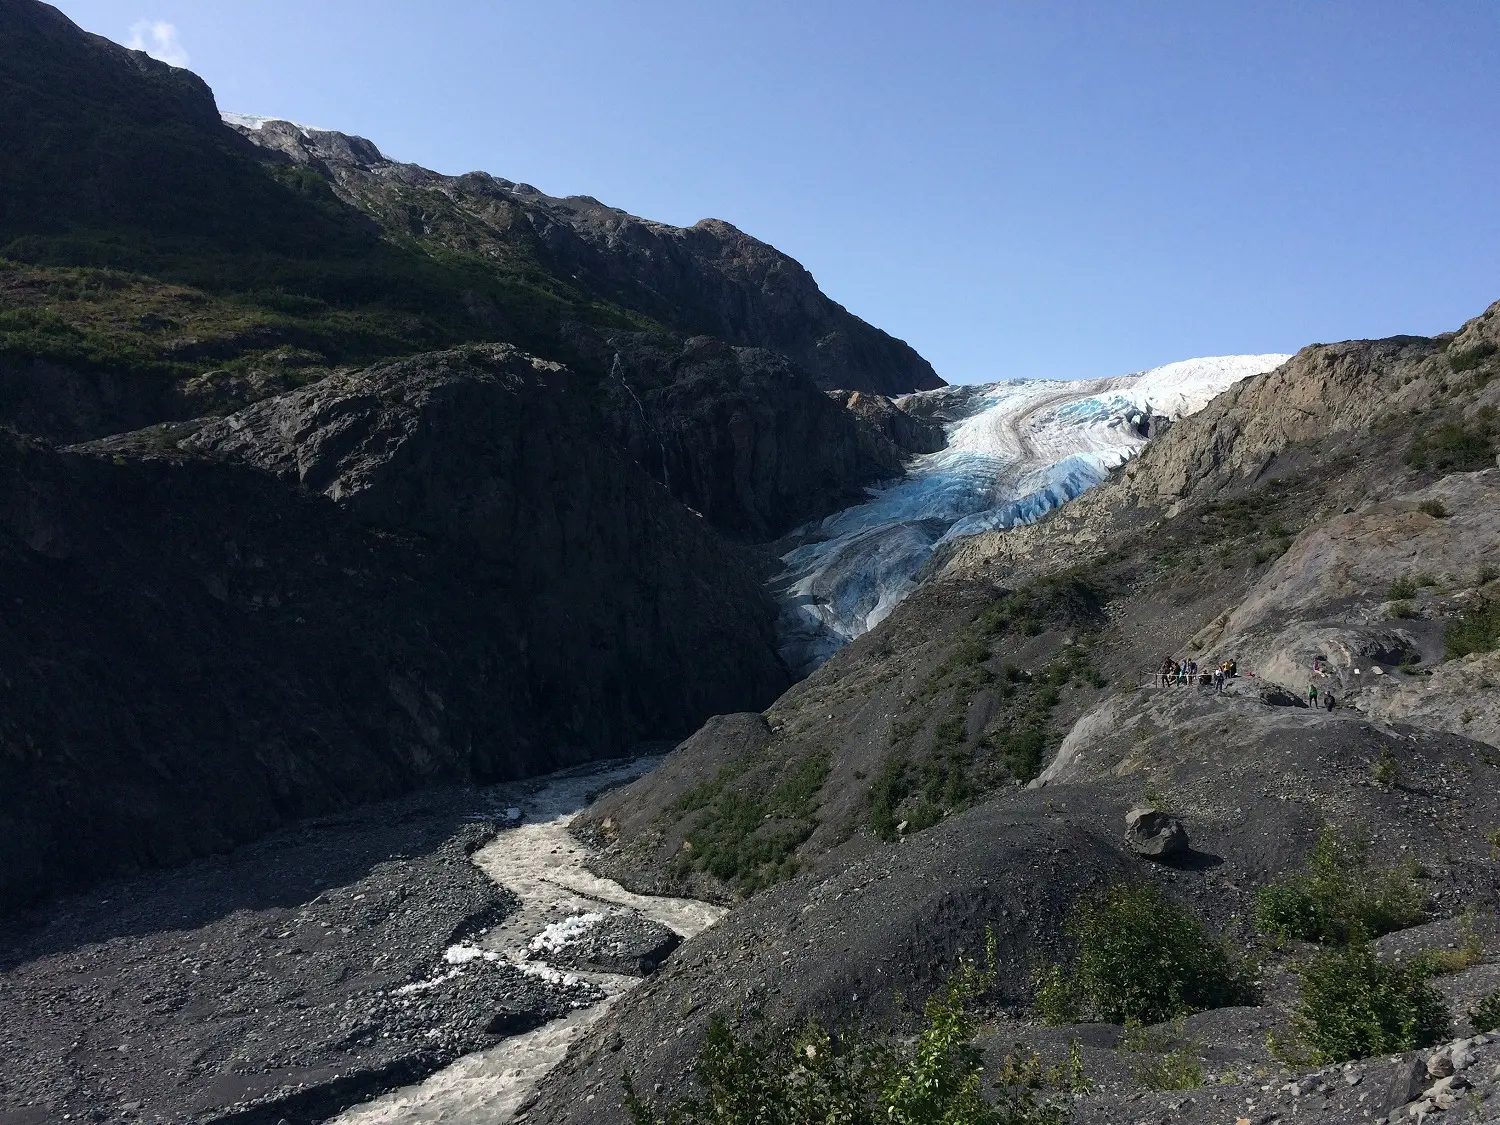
(159,40)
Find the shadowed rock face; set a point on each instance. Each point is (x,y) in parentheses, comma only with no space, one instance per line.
(433,569)
(742,435)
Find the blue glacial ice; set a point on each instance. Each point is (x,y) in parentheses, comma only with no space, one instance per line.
(1016,450)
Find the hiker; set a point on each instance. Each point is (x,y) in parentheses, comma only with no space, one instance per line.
(1182,673)
(1328,700)
(1219,680)
(1234,667)
(1192,672)
(1312,695)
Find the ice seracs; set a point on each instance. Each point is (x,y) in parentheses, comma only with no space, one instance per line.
(1016,450)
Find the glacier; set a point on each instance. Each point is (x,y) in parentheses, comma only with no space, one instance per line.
(1016,450)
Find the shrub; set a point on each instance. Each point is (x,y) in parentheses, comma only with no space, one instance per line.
(1456,447)
(1486,1013)
(770,1077)
(1476,629)
(1434,508)
(1403,609)
(1140,957)
(748,832)
(1466,359)
(1175,1067)
(1337,896)
(1353,1005)
(1470,951)
(1401,589)
(1383,768)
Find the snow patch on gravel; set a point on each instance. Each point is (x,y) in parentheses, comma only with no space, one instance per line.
(567,932)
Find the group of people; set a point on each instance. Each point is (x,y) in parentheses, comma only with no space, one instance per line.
(1312,695)
(1186,672)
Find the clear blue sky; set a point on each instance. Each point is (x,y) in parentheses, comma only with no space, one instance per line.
(1018,189)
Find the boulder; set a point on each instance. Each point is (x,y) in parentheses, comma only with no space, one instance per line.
(1152,833)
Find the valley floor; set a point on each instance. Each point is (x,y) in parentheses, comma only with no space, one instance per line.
(331,963)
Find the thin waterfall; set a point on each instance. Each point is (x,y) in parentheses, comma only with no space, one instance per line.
(617,372)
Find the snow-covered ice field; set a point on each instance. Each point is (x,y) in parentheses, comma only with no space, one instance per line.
(1015,451)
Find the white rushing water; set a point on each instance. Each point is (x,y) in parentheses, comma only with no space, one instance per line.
(1015,451)
(542,864)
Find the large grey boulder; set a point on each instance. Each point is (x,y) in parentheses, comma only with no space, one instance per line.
(1152,833)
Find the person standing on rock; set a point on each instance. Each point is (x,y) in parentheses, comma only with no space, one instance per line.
(1219,680)
(1312,695)
(1192,673)
(1328,700)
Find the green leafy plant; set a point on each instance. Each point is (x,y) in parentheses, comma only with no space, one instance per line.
(1401,589)
(749,827)
(771,1077)
(1434,508)
(1338,895)
(1141,957)
(1352,1004)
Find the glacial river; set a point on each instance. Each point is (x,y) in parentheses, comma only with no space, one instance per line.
(543,865)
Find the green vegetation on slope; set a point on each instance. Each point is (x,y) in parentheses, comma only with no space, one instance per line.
(142,235)
(1338,895)
(1463,445)
(772,1076)
(1353,1005)
(1475,629)
(748,829)
(914,790)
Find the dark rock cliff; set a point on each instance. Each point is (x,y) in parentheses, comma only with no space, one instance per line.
(742,435)
(431,570)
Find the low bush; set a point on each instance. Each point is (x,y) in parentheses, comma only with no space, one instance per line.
(1476,629)
(1434,508)
(771,1077)
(1401,589)
(1456,447)
(1466,359)
(1465,955)
(1383,768)
(1486,1014)
(1339,895)
(1141,957)
(1176,1065)
(1353,1005)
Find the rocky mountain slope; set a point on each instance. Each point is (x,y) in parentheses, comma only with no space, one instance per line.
(431,570)
(707,279)
(1330,522)
(280,535)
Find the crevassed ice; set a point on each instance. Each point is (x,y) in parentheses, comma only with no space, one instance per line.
(1016,450)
